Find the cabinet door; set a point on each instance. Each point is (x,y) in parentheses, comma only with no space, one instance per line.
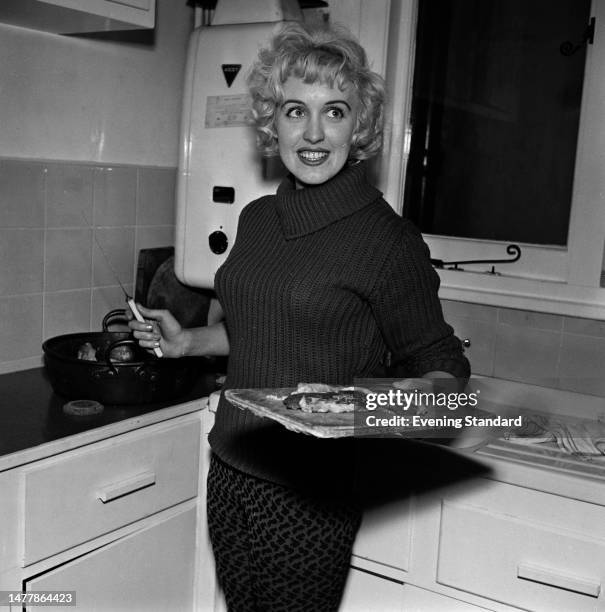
(367,592)
(148,571)
(385,533)
(78,16)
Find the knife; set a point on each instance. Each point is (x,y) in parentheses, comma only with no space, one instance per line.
(129,301)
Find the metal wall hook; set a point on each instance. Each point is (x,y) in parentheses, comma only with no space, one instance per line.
(568,48)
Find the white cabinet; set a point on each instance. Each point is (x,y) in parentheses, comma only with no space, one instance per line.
(81,495)
(149,570)
(523,548)
(78,16)
(485,544)
(116,520)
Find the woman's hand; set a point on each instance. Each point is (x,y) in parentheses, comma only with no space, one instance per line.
(160,329)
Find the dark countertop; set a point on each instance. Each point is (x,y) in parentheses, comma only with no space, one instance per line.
(31,414)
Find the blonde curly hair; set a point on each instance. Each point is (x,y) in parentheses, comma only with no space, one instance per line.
(325,54)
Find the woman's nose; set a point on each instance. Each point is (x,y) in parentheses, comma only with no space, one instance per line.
(314,131)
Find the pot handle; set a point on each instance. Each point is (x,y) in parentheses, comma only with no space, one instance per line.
(117,313)
(113,345)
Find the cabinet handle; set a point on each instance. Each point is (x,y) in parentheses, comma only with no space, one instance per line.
(534,573)
(125,487)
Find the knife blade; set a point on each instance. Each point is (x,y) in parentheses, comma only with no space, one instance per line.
(129,300)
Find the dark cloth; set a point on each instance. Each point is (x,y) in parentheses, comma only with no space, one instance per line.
(320,283)
(276,550)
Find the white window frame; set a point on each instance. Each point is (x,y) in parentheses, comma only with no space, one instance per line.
(547,279)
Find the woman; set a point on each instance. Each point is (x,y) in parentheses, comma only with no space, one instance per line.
(323,279)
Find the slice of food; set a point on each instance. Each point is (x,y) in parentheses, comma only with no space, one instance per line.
(87,352)
(316,388)
(329,401)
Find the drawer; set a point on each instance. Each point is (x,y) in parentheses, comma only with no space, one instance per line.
(94,490)
(129,574)
(521,562)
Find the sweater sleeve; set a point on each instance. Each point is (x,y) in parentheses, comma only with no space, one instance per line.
(406,306)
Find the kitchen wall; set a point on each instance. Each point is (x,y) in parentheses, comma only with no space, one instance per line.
(81,99)
(53,276)
(89,144)
(542,349)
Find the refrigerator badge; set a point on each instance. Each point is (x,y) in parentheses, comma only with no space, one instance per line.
(230,72)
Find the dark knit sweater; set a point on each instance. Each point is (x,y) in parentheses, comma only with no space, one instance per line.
(320,283)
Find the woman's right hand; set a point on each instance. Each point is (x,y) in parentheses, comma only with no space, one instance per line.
(160,329)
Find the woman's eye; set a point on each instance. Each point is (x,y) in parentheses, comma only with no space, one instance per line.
(335,113)
(296,112)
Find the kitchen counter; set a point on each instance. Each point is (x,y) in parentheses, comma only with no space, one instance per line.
(33,425)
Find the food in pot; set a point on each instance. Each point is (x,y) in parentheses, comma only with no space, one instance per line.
(122,354)
(119,354)
(87,352)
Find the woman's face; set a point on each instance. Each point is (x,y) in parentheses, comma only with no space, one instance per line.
(315,127)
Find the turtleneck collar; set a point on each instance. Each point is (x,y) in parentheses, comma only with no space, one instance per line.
(303,211)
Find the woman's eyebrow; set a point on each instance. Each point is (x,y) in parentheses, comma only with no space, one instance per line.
(338,102)
(330,102)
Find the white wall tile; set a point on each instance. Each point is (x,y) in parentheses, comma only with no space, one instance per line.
(582,365)
(68,259)
(156,196)
(21,261)
(20,327)
(69,195)
(478,312)
(66,312)
(21,194)
(153,237)
(114,196)
(527,354)
(115,260)
(536,320)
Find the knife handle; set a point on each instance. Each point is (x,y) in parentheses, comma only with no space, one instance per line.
(139,317)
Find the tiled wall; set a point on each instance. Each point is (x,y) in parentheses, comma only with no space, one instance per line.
(543,349)
(53,278)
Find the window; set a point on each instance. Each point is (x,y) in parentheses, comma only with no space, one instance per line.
(492,90)
(562,279)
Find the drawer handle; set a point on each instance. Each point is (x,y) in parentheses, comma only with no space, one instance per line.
(534,573)
(119,489)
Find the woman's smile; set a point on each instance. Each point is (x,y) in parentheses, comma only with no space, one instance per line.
(315,128)
(313,157)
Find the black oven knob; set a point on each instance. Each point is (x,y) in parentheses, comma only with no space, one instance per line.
(218,242)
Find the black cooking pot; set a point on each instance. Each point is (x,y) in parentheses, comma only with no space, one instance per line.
(141,379)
